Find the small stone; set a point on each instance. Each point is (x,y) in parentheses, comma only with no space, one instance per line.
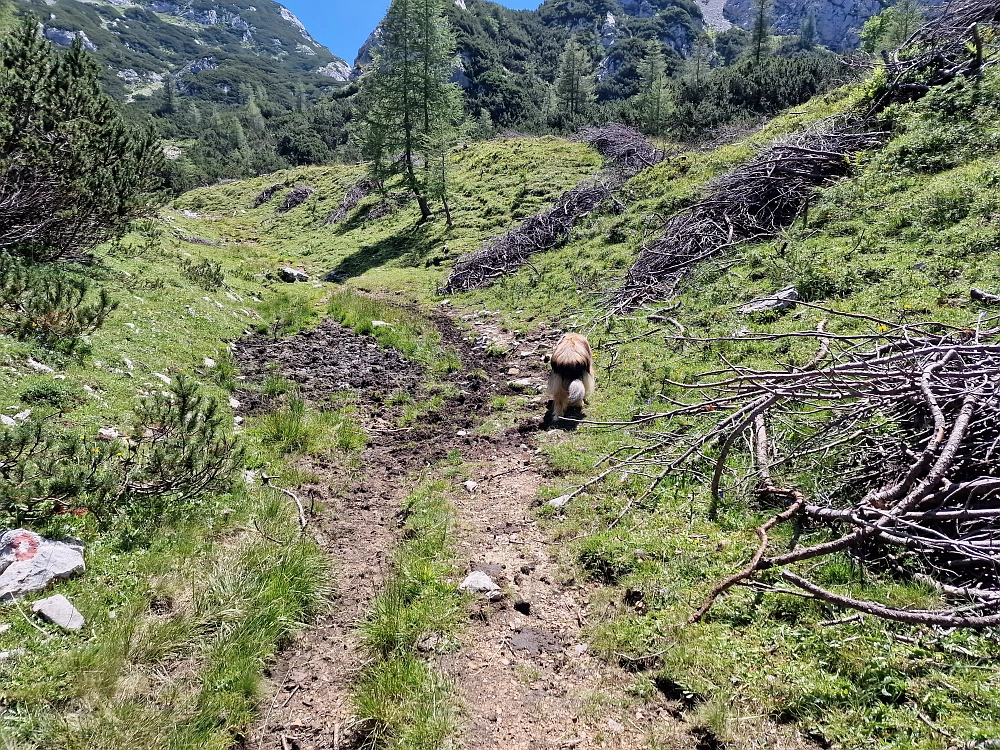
(162,377)
(461,433)
(13,653)
(291,275)
(513,371)
(233,403)
(381,324)
(108,433)
(526,354)
(580,649)
(4,627)
(524,384)
(58,610)
(38,366)
(616,726)
(470,485)
(7,421)
(523,607)
(559,502)
(209,362)
(478,582)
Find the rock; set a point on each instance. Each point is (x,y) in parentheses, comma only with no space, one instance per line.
(38,366)
(209,362)
(479,583)
(7,421)
(513,371)
(162,377)
(29,562)
(58,610)
(470,485)
(777,301)
(13,653)
(291,275)
(616,726)
(108,433)
(523,607)
(381,324)
(4,627)
(461,433)
(559,502)
(233,403)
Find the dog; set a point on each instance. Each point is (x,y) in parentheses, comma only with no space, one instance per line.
(572,378)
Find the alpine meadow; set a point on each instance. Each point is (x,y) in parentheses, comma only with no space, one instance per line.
(612,374)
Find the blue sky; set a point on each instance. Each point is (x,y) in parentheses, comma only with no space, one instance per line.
(343,25)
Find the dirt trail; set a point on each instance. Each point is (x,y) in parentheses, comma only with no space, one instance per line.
(524,674)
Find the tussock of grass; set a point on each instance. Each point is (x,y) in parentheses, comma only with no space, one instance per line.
(400,698)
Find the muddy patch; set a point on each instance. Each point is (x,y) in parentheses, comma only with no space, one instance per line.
(323,361)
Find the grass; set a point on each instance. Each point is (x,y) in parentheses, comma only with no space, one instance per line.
(403,702)
(905,238)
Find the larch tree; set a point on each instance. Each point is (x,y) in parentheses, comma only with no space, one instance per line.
(409,112)
(654,89)
(760,35)
(575,84)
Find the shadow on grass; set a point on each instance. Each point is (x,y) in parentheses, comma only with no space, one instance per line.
(412,246)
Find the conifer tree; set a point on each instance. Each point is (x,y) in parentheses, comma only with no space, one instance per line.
(575,84)
(761,32)
(73,171)
(408,108)
(654,91)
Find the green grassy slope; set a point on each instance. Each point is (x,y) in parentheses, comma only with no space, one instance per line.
(906,237)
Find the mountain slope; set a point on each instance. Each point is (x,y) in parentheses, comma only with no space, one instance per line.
(216,51)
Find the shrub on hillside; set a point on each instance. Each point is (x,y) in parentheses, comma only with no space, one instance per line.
(179,452)
(749,90)
(37,303)
(73,172)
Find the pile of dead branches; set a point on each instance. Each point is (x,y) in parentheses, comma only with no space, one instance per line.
(959,41)
(266,195)
(543,231)
(753,202)
(358,192)
(897,431)
(626,151)
(622,147)
(295,198)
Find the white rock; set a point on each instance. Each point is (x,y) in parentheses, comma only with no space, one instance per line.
(381,324)
(291,275)
(29,562)
(470,485)
(233,403)
(461,433)
(38,366)
(559,502)
(4,627)
(22,416)
(13,653)
(108,433)
(478,582)
(58,610)
(209,362)
(7,421)
(777,301)
(616,726)
(131,325)
(162,377)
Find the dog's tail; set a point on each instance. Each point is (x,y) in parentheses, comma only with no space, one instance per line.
(577,391)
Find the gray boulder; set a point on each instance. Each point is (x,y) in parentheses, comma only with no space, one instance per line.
(58,610)
(291,275)
(777,301)
(29,562)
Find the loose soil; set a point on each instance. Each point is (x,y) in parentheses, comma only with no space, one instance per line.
(524,674)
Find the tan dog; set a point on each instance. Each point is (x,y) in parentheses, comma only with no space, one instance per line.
(572,378)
